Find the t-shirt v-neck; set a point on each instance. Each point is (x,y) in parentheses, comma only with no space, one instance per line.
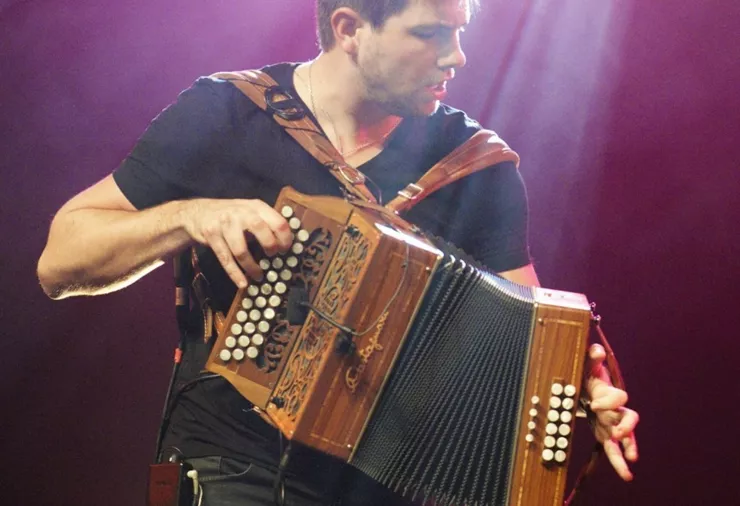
(285,77)
(375,169)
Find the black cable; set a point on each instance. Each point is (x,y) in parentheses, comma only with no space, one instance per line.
(360,333)
(278,491)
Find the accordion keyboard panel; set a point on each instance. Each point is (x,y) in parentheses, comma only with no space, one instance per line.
(258,336)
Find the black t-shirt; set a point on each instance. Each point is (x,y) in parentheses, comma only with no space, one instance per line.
(215,143)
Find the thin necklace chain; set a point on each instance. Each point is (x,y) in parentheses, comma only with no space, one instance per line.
(356,149)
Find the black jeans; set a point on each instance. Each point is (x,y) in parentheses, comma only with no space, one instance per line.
(228,482)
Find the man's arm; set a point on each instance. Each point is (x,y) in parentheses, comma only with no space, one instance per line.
(99,242)
(523,275)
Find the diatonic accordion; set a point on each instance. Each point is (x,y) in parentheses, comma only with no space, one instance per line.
(395,352)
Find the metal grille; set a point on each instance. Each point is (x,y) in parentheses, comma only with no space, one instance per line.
(445,423)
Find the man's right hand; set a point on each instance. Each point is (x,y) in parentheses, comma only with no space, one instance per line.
(226,226)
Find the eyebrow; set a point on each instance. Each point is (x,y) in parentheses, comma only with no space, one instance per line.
(440,25)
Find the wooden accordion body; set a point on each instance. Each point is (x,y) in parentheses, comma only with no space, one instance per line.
(396,353)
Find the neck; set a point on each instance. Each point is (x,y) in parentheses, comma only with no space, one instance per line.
(333,89)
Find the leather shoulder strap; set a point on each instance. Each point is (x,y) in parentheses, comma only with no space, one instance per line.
(484,149)
(289,113)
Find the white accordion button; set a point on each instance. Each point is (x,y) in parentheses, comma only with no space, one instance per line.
(266,289)
(532,412)
(302,235)
(562,443)
(281,288)
(225,355)
(564,430)
(268,313)
(247,303)
(547,455)
(286,275)
(287,212)
(260,302)
(529,438)
(277,263)
(263,327)
(549,441)
(264,264)
(258,340)
(244,341)
(551,429)
(255,315)
(274,301)
(560,456)
(272,276)
(252,352)
(241,316)
(568,403)
(291,262)
(535,400)
(230,342)
(297,248)
(294,223)
(566,417)
(253,291)
(555,402)
(531,425)
(238,355)
(557,389)
(236,329)
(249,328)
(553,415)
(570,390)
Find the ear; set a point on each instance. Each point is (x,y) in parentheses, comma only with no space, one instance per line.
(348,27)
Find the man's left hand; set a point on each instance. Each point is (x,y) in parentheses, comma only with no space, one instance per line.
(613,423)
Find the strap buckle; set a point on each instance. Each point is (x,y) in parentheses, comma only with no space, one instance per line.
(350,174)
(287,107)
(411,191)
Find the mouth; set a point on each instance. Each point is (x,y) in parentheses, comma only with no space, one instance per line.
(438,91)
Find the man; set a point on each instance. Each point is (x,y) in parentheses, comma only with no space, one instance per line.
(207,172)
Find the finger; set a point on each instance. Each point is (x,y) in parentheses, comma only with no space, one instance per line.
(278,224)
(630,448)
(627,424)
(616,459)
(223,253)
(234,237)
(595,365)
(606,398)
(596,352)
(253,223)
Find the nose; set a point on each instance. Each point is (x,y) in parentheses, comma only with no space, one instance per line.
(453,55)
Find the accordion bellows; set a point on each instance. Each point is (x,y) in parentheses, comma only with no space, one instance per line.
(399,354)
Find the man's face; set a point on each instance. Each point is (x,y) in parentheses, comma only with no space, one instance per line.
(406,63)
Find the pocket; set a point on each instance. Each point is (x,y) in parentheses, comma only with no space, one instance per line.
(226,469)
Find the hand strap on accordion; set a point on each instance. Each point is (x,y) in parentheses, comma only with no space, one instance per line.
(289,113)
(484,149)
(617,379)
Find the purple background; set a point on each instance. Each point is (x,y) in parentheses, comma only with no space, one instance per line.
(627,117)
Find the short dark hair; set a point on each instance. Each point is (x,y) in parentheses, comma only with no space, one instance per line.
(375,11)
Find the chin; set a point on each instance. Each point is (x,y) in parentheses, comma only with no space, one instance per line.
(419,110)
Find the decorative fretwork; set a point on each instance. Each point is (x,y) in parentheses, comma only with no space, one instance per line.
(314,256)
(318,334)
(275,346)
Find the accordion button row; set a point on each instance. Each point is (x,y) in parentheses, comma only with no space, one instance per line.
(558,456)
(559,417)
